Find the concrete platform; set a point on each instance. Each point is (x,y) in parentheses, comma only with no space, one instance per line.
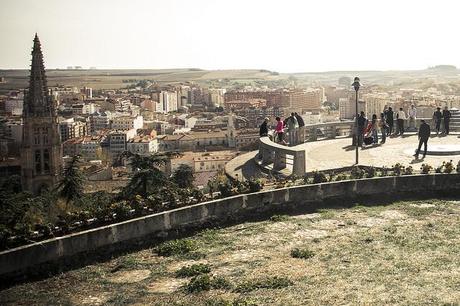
(338,153)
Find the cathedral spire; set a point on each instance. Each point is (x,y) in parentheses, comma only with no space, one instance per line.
(37,102)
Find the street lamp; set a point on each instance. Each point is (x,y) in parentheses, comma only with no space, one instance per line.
(356,84)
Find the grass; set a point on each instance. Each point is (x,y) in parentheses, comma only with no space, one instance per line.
(402,253)
(193,270)
(302,253)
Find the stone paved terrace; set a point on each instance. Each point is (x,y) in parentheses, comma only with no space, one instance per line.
(337,153)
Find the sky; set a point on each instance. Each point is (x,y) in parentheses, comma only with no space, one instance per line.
(279,35)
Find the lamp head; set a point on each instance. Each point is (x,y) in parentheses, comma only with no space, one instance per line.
(356,83)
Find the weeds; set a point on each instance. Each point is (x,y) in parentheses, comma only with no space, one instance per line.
(176,247)
(302,253)
(193,270)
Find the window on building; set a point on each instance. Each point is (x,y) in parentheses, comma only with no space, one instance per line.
(37,139)
(46,161)
(38,162)
(45,139)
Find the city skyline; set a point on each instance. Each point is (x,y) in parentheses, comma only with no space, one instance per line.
(292,37)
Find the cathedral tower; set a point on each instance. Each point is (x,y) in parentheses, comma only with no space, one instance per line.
(41,152)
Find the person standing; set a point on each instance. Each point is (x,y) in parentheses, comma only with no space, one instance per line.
(279,130)
(437,117)
(401,116)
(263,131)
(362,124)
(446,114)
(301,134)
(390,120)
(423,136)
(383,128)
(412,112)
(292,127)
(374,129)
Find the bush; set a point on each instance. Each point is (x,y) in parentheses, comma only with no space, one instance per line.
(357,173)
(408,171)
(384,171)
(425,168)
(302,253)
(176,247)
(205,282)
(319,177)
(225,189)
(449,167)
(341,177)
(193,270)
(121,209)
(398,169)
(265,283)
(279,218)
(254,185)
(371,172)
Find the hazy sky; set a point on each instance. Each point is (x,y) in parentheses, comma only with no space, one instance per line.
(281,35)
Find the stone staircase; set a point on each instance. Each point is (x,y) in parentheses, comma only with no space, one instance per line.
(455,120)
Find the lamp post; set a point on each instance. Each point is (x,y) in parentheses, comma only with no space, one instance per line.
(356,84)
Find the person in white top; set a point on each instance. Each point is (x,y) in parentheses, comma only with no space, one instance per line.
(401,116)
(412,112)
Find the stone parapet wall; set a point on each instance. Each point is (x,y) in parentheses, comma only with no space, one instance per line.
(236,207)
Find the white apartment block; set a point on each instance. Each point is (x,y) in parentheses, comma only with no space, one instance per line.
(118,141)
(127,122)
(142,145)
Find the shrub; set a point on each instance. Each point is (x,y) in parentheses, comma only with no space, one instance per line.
(193,270)
(225,189)
(449,167)
(264,283)
(370,172)
(340,177)
(425,168)
(278,218)
(205,282)
(121,209)
(408,170)
(176,247)
(384,171)
(199,283)
(398,169)
(302,253)
(319,177)
(254,185)
(356,173)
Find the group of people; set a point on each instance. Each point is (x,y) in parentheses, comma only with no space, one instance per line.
(368,131)
(293,127)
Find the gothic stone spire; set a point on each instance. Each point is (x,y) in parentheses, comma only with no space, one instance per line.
(37,101)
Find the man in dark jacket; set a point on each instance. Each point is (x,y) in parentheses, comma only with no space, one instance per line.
(390,120)
(301,133)
(446,116)
(437,117)
(263,131)
(423,136)
(362,124)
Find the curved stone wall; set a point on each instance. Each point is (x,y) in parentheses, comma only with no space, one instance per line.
(241,206)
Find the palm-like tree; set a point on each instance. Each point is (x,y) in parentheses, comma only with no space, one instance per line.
(148,175)
(71,185)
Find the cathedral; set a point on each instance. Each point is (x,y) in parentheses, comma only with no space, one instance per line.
(41,151)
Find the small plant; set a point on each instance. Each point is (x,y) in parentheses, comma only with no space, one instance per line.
(306,179)
(384,171)
(398,169)
(254,185)
(265,283)
(331,176)
(199,283)
(205,282)
(458,166)
(440,168)
(371,172)
(408,171)
(448,167)
(340,177)
(356,173)
(319,177)
(175,247)
(279,218)
(302,253)
(193,270)
(425,168)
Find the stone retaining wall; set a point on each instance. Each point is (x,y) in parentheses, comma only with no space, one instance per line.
(241,206)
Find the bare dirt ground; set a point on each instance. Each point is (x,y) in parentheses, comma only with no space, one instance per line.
(405,253)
